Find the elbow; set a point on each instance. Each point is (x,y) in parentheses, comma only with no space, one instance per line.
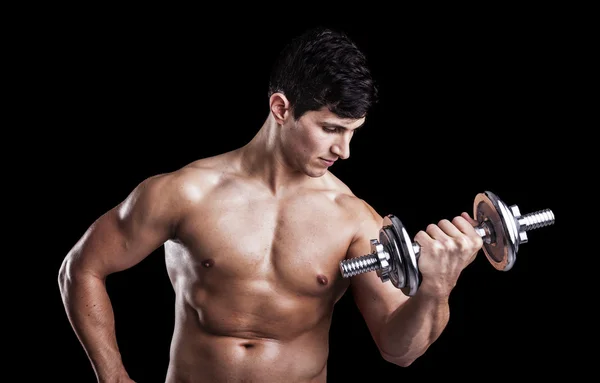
(64,273)
(400,356)
(73,273)
(402,361)
(69,273)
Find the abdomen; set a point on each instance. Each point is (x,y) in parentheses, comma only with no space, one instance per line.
(212,352)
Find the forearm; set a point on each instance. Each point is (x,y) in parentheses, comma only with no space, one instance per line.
(90,313)
(413,327)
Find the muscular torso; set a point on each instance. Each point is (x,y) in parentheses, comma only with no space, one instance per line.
(256,277)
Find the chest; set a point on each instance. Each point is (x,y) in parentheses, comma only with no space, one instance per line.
(295,244)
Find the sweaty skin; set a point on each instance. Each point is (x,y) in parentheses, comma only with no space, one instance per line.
(253,239)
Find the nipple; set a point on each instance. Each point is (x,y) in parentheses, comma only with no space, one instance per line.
(208,263)
(322,279)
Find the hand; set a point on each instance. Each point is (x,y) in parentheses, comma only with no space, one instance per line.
(446,249)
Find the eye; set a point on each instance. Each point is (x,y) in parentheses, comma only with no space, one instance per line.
(330,130)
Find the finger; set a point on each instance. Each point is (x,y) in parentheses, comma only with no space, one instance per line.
(468,228)
(469,219)
(423,238)
(465,225)
(449,228)
(436,232)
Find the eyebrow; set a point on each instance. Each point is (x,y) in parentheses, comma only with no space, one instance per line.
(334,125)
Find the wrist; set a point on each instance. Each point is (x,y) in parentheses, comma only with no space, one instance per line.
(117,375)
(436,292)
(115,379)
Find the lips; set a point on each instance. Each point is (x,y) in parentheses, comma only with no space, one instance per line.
(328,162)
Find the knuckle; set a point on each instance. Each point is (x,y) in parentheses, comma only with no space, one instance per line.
(437,248)
(443,222)
(446,243)
(420,234)
(477,242)
(471,245)
(464,243)
(458,219)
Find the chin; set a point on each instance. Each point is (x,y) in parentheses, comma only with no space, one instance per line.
(315,173)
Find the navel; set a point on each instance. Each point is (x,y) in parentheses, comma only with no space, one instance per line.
(322,279)
(208,263)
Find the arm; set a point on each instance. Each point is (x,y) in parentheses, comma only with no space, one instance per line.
(403,328)
(118,240)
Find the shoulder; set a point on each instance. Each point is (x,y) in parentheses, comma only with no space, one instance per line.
(355,207)
(181,188)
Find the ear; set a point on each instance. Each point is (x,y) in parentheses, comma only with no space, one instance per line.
(280,107)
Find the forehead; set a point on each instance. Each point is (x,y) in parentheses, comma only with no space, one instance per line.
(326,117)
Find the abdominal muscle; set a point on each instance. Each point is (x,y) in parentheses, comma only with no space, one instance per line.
(227,340)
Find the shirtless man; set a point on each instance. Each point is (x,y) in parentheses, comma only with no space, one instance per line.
(253,239)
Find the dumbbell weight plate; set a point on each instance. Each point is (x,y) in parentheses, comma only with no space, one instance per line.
(407,255)
(501,251)
(389,240)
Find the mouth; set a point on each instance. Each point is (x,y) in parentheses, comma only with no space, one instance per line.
(327,162)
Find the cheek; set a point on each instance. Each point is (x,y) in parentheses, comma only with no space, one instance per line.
(296,145)
(316,142)
(305,143)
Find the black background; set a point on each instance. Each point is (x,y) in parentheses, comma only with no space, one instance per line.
(470,101)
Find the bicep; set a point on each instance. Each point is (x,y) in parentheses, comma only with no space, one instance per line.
(125,235)
(375,299)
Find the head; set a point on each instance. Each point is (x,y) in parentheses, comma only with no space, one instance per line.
(320,92)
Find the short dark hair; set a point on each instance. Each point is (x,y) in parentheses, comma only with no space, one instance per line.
(324,67)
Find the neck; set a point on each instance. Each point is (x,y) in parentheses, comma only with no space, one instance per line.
(263,158)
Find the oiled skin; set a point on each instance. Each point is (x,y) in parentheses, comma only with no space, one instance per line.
(253,239)
(256,276)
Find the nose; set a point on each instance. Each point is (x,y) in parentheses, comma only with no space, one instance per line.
(341,148)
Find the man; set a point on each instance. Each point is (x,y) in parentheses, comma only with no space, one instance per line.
(253,239)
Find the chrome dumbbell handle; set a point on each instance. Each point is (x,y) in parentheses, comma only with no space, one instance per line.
(527,222)
(394,256)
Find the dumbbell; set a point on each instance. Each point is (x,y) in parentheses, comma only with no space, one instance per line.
(395,257)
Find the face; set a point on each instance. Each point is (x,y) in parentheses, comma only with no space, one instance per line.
(318,139)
